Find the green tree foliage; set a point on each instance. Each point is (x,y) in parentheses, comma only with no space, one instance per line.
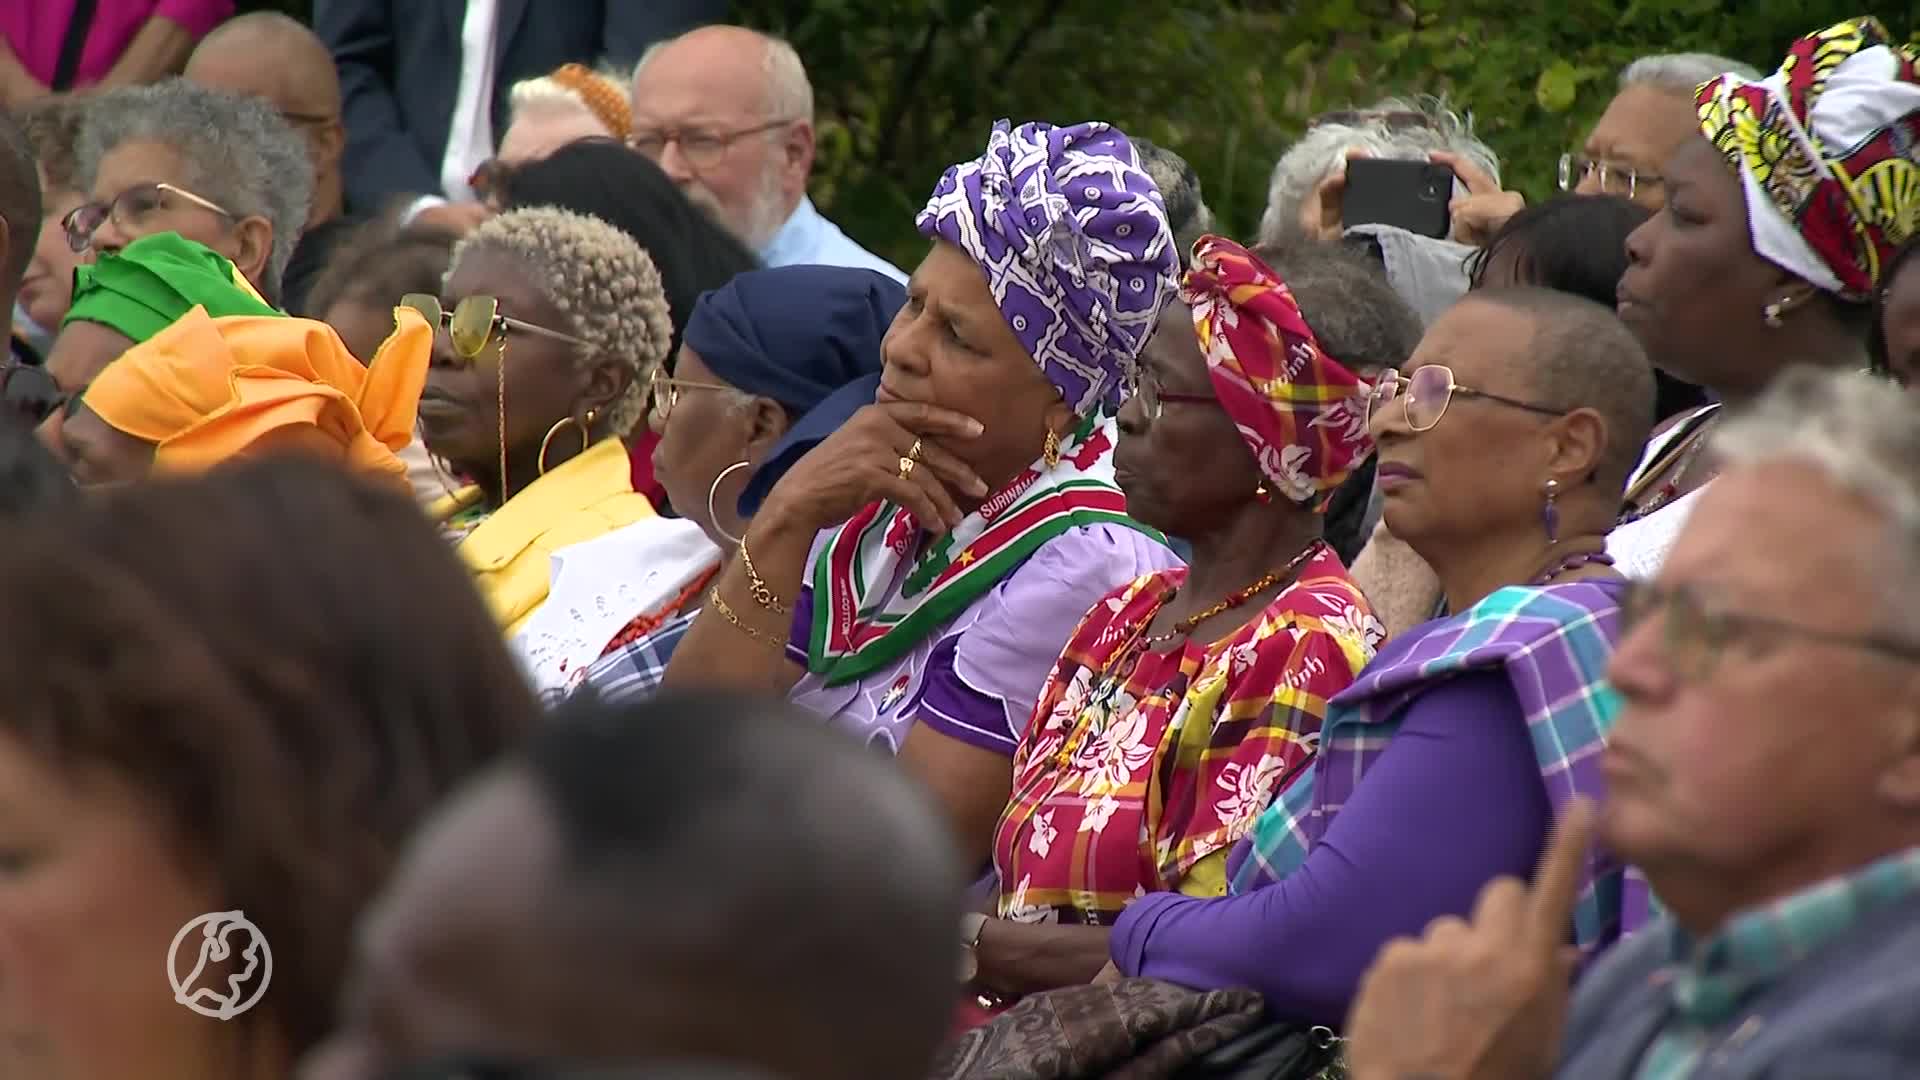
(906,87)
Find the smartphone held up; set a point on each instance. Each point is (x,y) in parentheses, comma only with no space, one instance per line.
(1411,195)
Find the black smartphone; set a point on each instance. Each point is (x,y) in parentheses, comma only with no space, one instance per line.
(1412,195)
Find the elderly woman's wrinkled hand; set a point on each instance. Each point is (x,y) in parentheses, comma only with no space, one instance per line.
(868,460)
(1484,999)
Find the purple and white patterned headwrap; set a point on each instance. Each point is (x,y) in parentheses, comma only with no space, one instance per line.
(1074,240)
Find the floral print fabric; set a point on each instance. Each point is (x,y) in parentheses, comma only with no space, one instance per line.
(1139,764)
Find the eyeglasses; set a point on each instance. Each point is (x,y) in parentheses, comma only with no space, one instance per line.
(1425,395)
(130,207)
(665,391)
(1613,179)
(475,320)
(1140,383)
(702,149)
(1695,634)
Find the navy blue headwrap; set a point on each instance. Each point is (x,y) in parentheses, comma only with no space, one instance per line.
(806,336)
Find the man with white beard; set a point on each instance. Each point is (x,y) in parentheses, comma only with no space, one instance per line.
(727,112)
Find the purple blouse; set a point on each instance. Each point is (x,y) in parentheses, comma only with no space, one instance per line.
(976,678)
(1305,940)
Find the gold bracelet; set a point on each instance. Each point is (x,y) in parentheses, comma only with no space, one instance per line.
(757,587)
(726,612)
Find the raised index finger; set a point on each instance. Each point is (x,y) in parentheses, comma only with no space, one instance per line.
(1556,886)
(1478,180)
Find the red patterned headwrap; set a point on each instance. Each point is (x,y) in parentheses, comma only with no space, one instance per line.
(1301,412)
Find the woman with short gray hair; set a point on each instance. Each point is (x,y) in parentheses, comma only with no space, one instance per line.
(220,169)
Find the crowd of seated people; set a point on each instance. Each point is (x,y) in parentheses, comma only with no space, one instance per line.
(573,611)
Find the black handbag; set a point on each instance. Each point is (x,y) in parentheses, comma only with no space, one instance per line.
(1278,1051)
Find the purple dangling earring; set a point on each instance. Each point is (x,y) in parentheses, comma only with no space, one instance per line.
(1550,515)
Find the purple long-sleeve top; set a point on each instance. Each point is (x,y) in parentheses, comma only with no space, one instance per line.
(1413,843)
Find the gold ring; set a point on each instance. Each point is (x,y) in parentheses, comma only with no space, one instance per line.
(906,467)
(913,452)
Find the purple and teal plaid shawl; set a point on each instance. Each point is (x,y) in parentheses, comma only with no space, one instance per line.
(1553,642)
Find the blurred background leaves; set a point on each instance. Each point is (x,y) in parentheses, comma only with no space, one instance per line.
(906,87)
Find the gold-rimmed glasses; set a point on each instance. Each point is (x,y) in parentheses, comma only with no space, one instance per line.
(130,207)
(665,392)
(1425,394)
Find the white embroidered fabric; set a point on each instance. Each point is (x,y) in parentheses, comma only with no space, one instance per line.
(600,586)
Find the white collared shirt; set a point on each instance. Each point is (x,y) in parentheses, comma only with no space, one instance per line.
(470,134)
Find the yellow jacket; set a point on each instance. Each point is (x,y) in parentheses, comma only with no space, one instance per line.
(511,552)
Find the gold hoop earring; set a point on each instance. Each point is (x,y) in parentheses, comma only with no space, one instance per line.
(586,436)
(713,515)
(1050,450)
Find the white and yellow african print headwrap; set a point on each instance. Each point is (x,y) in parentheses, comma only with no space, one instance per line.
(1828,148)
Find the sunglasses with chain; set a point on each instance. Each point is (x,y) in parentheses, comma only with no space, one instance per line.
(474,321)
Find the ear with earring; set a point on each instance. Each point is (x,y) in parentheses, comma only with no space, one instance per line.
(1262,494)
(1774,309)
(1550,514)
(585,427)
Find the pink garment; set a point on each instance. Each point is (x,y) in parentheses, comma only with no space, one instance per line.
(35,30)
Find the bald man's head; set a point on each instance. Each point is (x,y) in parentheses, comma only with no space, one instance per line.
(267,54)
(271,56)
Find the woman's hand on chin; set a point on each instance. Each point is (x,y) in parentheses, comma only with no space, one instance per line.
(861,463)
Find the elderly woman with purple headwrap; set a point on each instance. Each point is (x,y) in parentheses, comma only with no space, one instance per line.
(913,577)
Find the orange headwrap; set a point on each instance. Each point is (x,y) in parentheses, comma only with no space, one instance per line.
(604,98)
(205,390)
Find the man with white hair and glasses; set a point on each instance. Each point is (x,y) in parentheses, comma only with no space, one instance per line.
(1649,118)
(1764,774)
(727,112)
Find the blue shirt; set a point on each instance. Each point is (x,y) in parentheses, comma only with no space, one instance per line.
(808,239)
(635,670)
(1713,978)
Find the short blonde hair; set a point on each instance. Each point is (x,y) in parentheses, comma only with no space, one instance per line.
(601,280)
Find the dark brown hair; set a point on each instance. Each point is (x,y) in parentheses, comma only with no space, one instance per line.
(377,263)
(288,664)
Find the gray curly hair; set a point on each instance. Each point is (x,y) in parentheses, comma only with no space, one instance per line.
(1322,151)
(601,280)
(237,152)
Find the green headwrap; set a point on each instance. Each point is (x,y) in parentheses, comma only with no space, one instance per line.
(147,285)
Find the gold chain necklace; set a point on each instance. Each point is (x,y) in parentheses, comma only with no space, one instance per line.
(1187,625)
(501,409)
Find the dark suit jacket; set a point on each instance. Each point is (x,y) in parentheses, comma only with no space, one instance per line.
(399,64)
